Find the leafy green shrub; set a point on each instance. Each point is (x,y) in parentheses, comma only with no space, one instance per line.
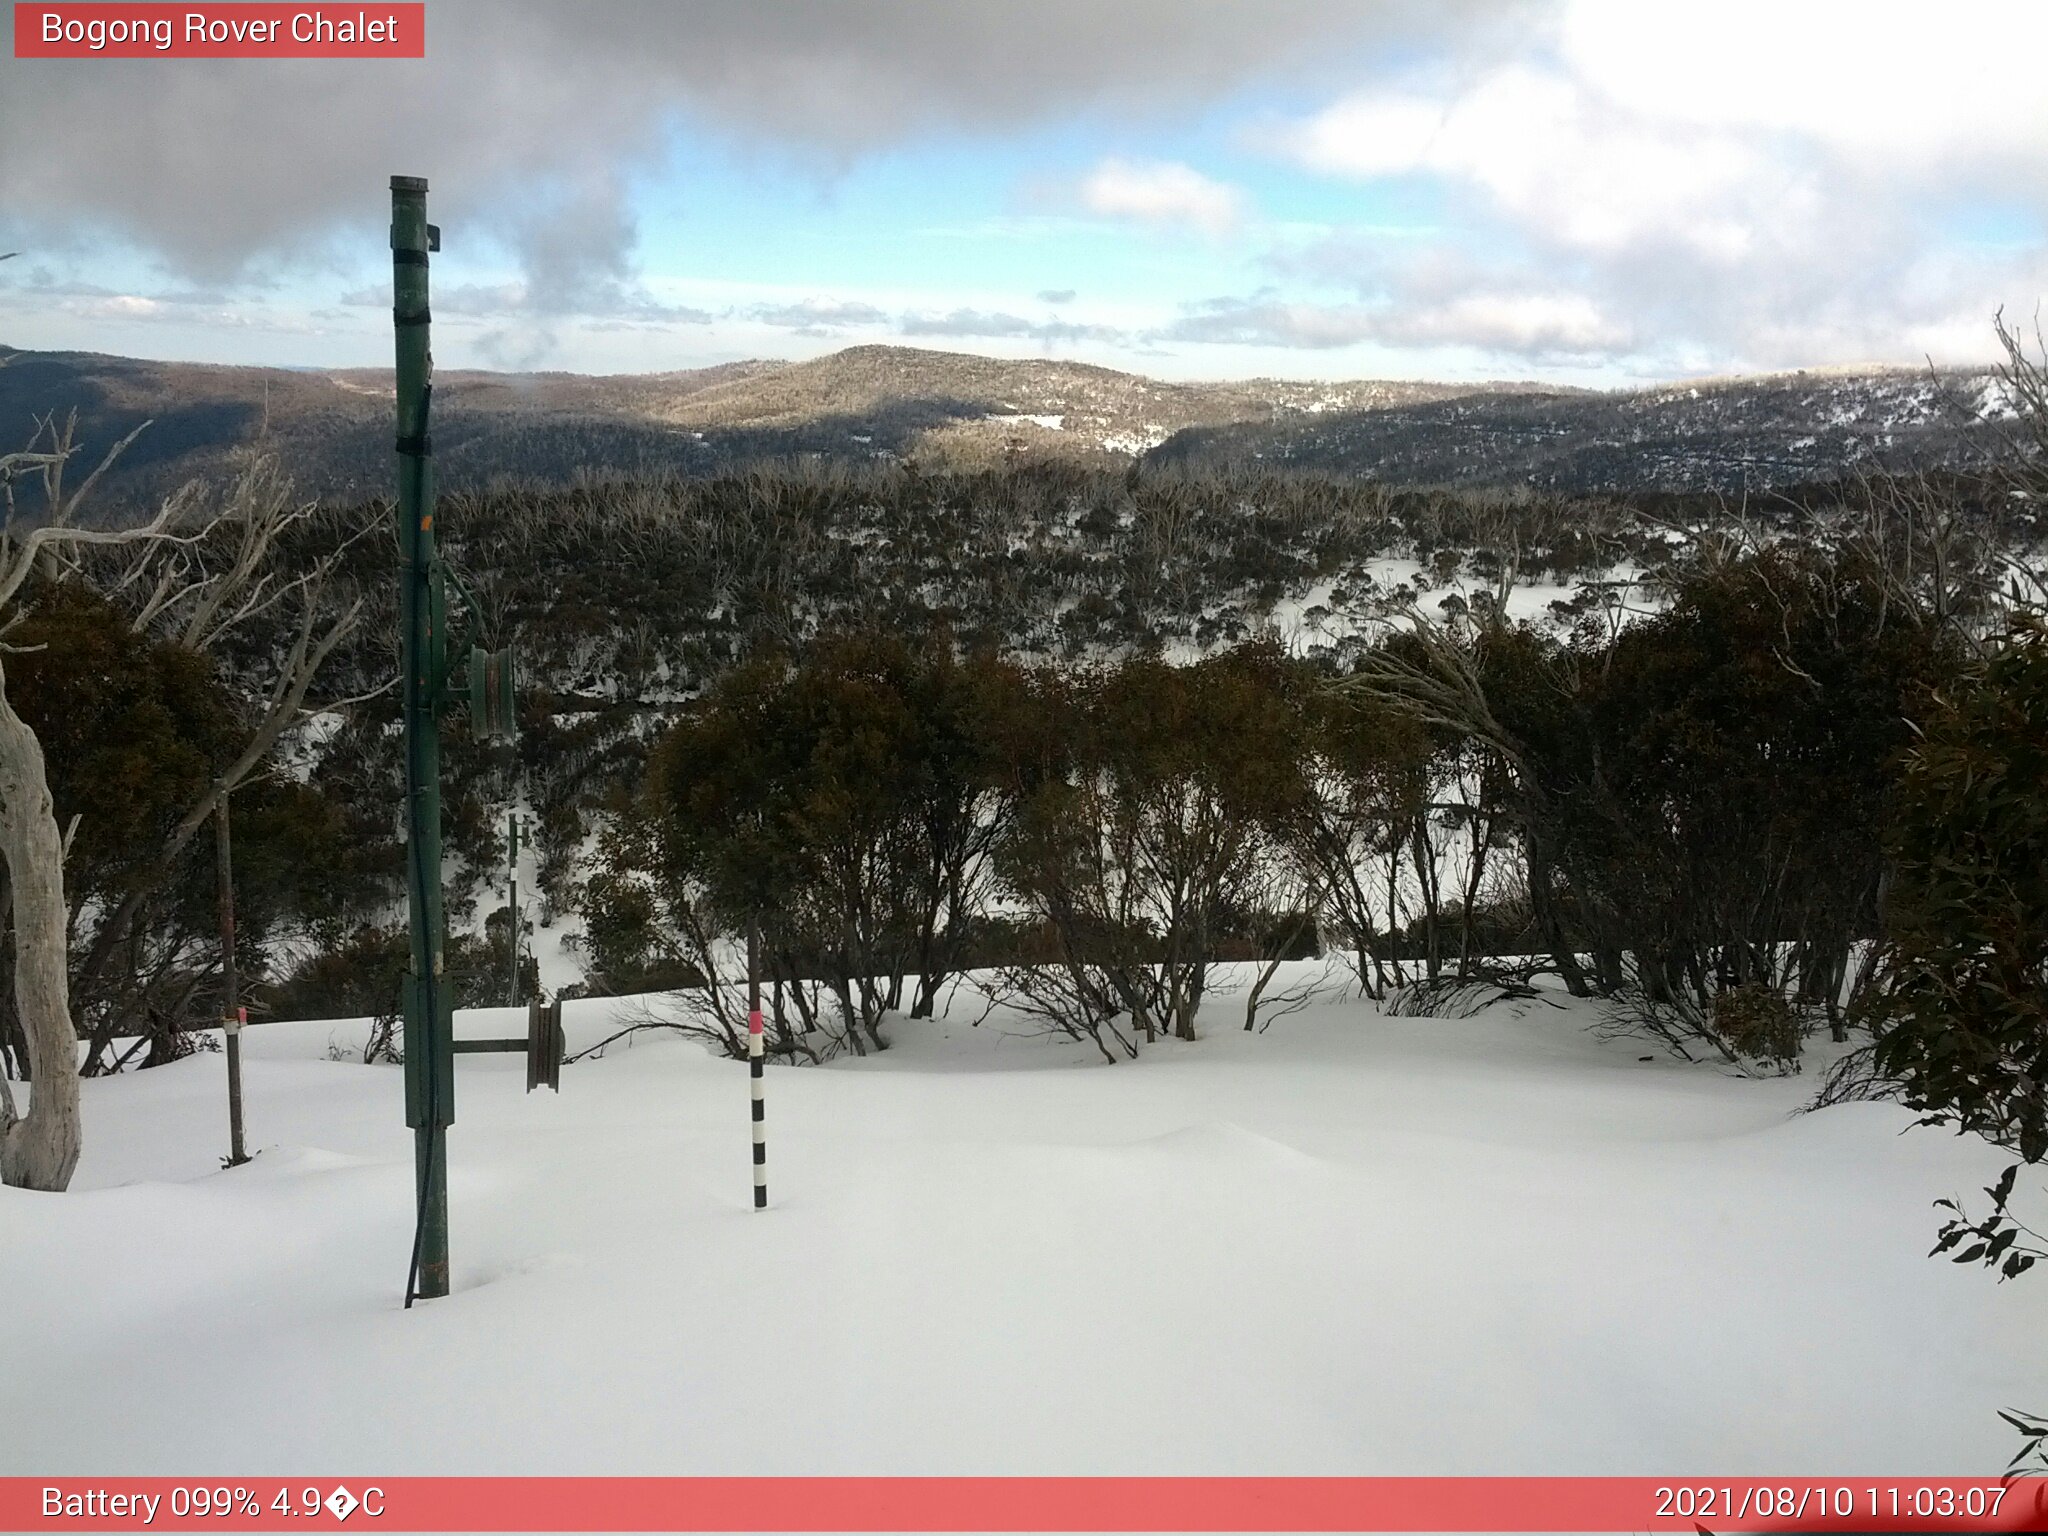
(1758,1023)
(1963,1017)
(1963,1021)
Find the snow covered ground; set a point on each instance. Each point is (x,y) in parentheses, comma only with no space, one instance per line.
(1352,1244)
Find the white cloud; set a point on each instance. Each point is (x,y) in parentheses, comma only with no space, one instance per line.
(817,316)
(1558,160)
(1763,184)
(1263,321)
(1530,324)
(1546,326)
(1161,192)
(1002,325)
(1899,86)
(535,117)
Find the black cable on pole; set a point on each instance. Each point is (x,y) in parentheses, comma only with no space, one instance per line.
(430,1001)
(419,1216)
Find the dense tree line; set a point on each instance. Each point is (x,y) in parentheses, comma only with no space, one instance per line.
(1684,807)
(1693,816)
(626,599)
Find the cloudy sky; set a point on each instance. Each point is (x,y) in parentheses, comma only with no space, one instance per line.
(1593,191)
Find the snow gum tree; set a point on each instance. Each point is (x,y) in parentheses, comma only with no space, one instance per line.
(1143,821)
(1364,774)
(222,575)
(39,1148)
(842,804)
(1964,1018)
(192,581)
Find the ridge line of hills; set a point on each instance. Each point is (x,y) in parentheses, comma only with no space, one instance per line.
(871,404)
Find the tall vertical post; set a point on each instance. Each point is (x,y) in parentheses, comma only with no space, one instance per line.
(512,840)
(231,982)
(429,1053)
(756,1063)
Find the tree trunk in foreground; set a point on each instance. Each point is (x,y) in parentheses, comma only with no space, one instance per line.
(40,1149)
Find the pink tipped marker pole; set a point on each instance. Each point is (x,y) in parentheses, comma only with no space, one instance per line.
(756,1043)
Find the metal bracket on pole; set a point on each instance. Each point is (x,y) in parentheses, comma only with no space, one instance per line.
(493,709)
(429,1058)
(544,1045)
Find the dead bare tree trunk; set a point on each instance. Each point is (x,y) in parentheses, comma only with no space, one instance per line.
(38,1150)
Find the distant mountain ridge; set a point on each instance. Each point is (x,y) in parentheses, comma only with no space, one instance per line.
(333,427)
(1723,435)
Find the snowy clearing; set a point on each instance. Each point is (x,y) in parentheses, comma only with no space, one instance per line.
(1352,1244)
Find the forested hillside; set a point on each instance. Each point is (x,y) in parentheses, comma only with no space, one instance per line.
(1725,435)
(875,405)
(1426,727)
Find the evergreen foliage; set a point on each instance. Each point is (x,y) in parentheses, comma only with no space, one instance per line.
(1964,1020)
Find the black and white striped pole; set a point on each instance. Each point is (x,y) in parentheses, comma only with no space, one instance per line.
(756,1063)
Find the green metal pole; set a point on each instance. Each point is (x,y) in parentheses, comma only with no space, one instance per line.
(429,1054)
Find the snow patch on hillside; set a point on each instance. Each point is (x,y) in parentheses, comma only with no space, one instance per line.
(1136,440)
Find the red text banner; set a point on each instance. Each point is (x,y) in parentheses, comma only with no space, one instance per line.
(216,31)
(1593,1504)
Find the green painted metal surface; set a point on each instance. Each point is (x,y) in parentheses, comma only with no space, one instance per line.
(423,646)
